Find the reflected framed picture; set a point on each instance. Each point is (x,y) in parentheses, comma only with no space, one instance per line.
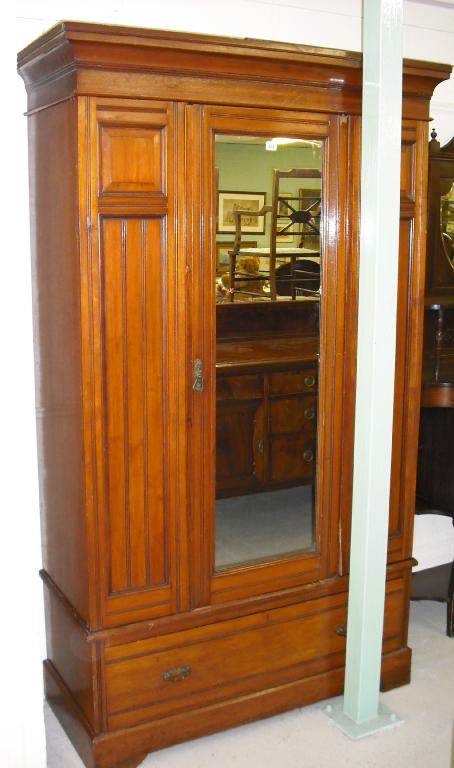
(285,200)
(222,253)
(285,239)
(283,221)
(310,198)
(229,202)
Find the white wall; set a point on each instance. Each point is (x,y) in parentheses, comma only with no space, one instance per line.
(428,34)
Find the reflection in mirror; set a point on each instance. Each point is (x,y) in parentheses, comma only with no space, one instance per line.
(447,225)
(268,258)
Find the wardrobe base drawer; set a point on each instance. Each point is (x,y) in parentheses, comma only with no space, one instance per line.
(197,667)
(129,746)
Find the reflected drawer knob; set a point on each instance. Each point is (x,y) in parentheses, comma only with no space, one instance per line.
(309,413)
(308,455)
(309,381)
(176,674)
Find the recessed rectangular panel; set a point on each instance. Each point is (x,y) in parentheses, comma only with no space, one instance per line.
(132,159)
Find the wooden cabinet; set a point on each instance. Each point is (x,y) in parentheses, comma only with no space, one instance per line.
(160,414)
(265,430)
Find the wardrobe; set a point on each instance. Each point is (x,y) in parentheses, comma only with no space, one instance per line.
(195,453)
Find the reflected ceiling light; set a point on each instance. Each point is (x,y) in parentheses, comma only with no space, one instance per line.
(272,144)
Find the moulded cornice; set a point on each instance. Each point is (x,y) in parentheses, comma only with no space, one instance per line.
(77,58)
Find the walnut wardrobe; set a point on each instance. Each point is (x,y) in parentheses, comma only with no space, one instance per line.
(195,438)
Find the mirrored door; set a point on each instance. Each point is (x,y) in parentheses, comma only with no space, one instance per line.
(270,275)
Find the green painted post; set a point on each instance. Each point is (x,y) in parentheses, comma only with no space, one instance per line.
(379,242)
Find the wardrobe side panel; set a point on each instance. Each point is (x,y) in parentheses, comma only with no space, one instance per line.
(56,314)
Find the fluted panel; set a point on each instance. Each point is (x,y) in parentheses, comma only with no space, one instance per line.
(134,403)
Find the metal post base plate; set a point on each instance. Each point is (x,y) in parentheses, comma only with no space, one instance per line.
(386,718)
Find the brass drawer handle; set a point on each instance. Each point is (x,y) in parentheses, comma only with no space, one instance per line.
(176,674)
(308,455)
(260,445)
(309,413)
(309,381)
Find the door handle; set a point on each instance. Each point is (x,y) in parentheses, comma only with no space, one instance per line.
(198,375)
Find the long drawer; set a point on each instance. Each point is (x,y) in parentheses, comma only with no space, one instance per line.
(162,675)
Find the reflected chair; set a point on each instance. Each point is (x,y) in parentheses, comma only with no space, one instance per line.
(290,270)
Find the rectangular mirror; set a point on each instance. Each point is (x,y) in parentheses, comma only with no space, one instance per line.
(268,265)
